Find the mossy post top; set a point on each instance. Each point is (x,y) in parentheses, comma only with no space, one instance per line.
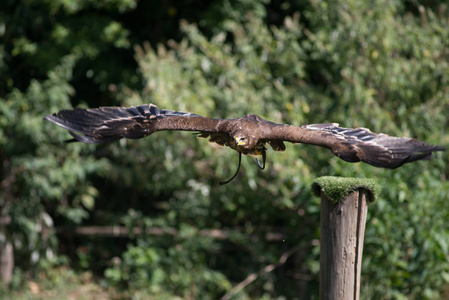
(338,188)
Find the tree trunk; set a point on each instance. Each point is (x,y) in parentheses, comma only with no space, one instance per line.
(6,252)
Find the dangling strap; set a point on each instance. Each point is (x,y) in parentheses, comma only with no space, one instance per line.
(238,168)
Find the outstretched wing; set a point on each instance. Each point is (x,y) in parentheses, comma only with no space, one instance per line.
(360,144)
(107,124)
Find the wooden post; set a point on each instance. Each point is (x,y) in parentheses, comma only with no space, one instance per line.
(342,232)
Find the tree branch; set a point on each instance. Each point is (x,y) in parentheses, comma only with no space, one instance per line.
(263,271)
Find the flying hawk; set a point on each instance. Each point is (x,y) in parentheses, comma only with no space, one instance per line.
(247,135)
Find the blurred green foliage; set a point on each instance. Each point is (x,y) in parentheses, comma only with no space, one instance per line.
(379,64)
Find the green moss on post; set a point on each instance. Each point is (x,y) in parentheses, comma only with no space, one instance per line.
(338,188)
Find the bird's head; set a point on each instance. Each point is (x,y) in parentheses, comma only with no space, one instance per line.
(240,141)
(245,134)
(245,144)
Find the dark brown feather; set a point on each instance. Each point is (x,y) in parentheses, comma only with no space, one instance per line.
(107,124)
(246,135)
(360,144)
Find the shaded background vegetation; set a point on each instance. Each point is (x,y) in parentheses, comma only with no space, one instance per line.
(381,65)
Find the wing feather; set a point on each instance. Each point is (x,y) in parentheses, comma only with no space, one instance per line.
(359,144)
(107,124)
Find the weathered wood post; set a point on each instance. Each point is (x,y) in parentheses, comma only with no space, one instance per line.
(344,206)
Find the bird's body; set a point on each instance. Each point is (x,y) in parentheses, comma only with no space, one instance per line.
(247,135)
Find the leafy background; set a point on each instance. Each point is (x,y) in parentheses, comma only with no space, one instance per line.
(378,64)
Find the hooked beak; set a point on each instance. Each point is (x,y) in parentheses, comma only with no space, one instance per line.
(239,141)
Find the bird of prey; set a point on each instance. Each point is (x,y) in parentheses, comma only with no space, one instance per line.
(247,135)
